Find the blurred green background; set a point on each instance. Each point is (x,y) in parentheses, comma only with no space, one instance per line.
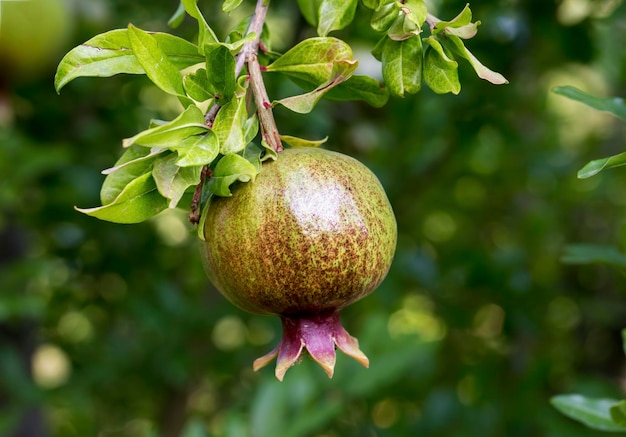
(113,330)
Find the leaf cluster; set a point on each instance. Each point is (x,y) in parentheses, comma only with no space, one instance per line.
(409,58)
(216,128)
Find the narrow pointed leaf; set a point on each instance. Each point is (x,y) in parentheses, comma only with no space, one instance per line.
(335,15)
(169,135)
(230,5)
(153,60)
(171,180)
(250,129)
(138,201)
(205,33)
(618,414)
(197,86)
(596,166)
(613,105)
(360,87)
(230,169)
(456,45)
(296,142)
(593,254)
(312,60)
(402,65)
(310,10)
(595,413)
(229,126)
(441,73)
(402,28)
(371,4)
(383,18)
(197,150)
(221,72)
(269,153)
(463,19)
(415,11)
(304,103)
(464,32)
(177,18)
(110,53)
(134,162)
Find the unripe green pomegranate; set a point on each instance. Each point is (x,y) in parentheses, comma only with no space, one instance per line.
(313,233)
(32,34)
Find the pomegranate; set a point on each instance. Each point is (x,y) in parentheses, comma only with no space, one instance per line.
(313,233)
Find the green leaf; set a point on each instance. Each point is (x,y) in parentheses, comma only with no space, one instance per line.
(230,5)
(197,86)
(456,45)
(178,17)
(361,88)
(205,33)
(153,60)
(296,142)
(335,15)
(109,54)
(402,28)
(304,103)
(310,10)
(169,135)
(229,126)
(133,163)
(171,180)
(618,414)
(383,18)
(371,4)
(138,201)
(461,25)
(312,60)
(415,11)
(440,72)
(250,129)
(268,152)
(596,166)
(221,72)
(197,150)
(595,413)
(230,169)
(624,340)
(252,153)
(402,65)
(613,105)
(592,254)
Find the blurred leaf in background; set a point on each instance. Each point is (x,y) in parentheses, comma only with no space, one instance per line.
(114,330)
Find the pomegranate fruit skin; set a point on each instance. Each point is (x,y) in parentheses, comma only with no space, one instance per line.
(313,233)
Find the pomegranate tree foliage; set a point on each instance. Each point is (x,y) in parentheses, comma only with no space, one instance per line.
(604,414)
(164,162)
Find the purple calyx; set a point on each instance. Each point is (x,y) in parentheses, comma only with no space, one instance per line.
(318,335)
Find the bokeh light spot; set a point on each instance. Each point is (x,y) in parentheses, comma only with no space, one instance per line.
(229,333)
(416,318)
(75,327)
(488,321)
(385,413)
(50,366)
(439,226)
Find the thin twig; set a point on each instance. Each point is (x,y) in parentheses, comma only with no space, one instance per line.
(194,215)
(269,132)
